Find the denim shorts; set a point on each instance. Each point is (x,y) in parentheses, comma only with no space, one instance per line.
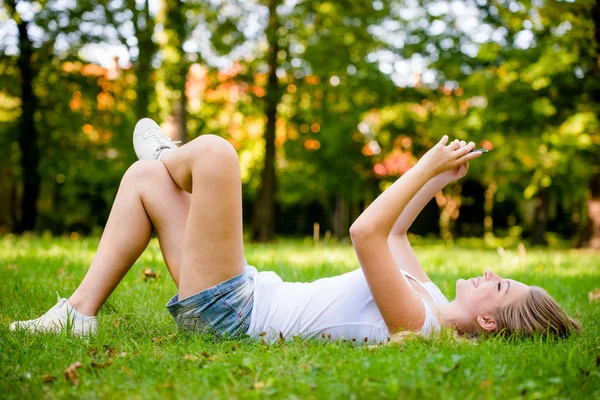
(223,310)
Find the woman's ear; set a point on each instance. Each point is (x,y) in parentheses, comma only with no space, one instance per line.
(487,323)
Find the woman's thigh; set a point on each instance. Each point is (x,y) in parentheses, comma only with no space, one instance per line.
(212,249)
(167,206)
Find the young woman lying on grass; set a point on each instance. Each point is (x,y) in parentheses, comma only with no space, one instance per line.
(192,196)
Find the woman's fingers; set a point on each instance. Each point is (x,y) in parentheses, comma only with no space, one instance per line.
(468,157)
(464,150)
(454,145)
(443,140)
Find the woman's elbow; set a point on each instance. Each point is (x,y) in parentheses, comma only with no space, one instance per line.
(361,233)
(357,231)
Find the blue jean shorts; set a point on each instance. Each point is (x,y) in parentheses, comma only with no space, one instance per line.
(223,310)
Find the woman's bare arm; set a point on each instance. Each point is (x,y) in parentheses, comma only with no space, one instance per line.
(400,247)
(398,240)
(398,303)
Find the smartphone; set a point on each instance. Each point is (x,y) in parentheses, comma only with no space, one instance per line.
(482,150)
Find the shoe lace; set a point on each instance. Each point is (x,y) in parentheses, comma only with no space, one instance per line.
(158,138)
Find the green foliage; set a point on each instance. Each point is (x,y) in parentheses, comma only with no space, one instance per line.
(520,77)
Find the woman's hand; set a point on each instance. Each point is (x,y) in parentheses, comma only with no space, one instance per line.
(445,157)
(456,173)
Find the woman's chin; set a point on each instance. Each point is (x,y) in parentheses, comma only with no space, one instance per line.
(460,285)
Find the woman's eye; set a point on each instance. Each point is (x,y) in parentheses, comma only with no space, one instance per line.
(499,285)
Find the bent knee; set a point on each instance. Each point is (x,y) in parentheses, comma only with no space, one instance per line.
(213,147)
(144,170)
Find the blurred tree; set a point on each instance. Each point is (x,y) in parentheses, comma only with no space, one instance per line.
(144,25)
(27,138)
(174,68)
(590,233)
(263,224)
(329,88)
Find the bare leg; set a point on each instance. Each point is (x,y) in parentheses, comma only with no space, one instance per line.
(213,241)
(200,235)
(147,196)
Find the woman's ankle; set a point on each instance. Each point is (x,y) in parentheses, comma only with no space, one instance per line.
(82,306)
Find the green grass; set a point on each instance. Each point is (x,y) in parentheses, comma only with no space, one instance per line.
(149,355)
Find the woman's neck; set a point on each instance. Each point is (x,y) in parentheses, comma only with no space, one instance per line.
(454,316)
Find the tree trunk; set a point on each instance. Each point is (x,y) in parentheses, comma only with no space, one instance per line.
(488,207)
(27,138)
(175,69)
(449,204)
(591,231)
(143,66)
(263,226)
(540,218)
(340,217)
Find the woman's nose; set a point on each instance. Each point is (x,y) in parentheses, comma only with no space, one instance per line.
(488,274)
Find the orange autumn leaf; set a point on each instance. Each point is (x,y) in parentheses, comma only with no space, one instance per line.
(71,374)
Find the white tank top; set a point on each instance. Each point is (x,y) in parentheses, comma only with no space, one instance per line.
(340,307)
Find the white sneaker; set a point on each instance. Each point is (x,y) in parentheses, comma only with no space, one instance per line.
(57,319)
(149,140)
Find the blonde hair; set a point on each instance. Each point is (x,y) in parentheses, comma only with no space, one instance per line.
(536,312)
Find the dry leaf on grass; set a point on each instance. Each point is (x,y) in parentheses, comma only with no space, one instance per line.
(594,295)
(190,357)
(161,338)
(110,351)
(485,384)
(47,378)
(95,364)
(71,374)
(259,385)
(150,274)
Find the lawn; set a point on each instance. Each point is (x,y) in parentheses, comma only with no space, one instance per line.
(139,353)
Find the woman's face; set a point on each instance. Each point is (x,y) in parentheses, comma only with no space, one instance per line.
(480,296)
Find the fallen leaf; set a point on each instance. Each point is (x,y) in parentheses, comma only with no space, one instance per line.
(11,267)
(167,385)
(123,354)
(190,357)
(149,273)
(485,384)
(47,378)
(71,374)
(594,295)
(110,351)
(116,324)
(95,364)
(126,370)
(161,338)
(259,385)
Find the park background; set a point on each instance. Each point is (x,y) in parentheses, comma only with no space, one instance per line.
(326,102)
